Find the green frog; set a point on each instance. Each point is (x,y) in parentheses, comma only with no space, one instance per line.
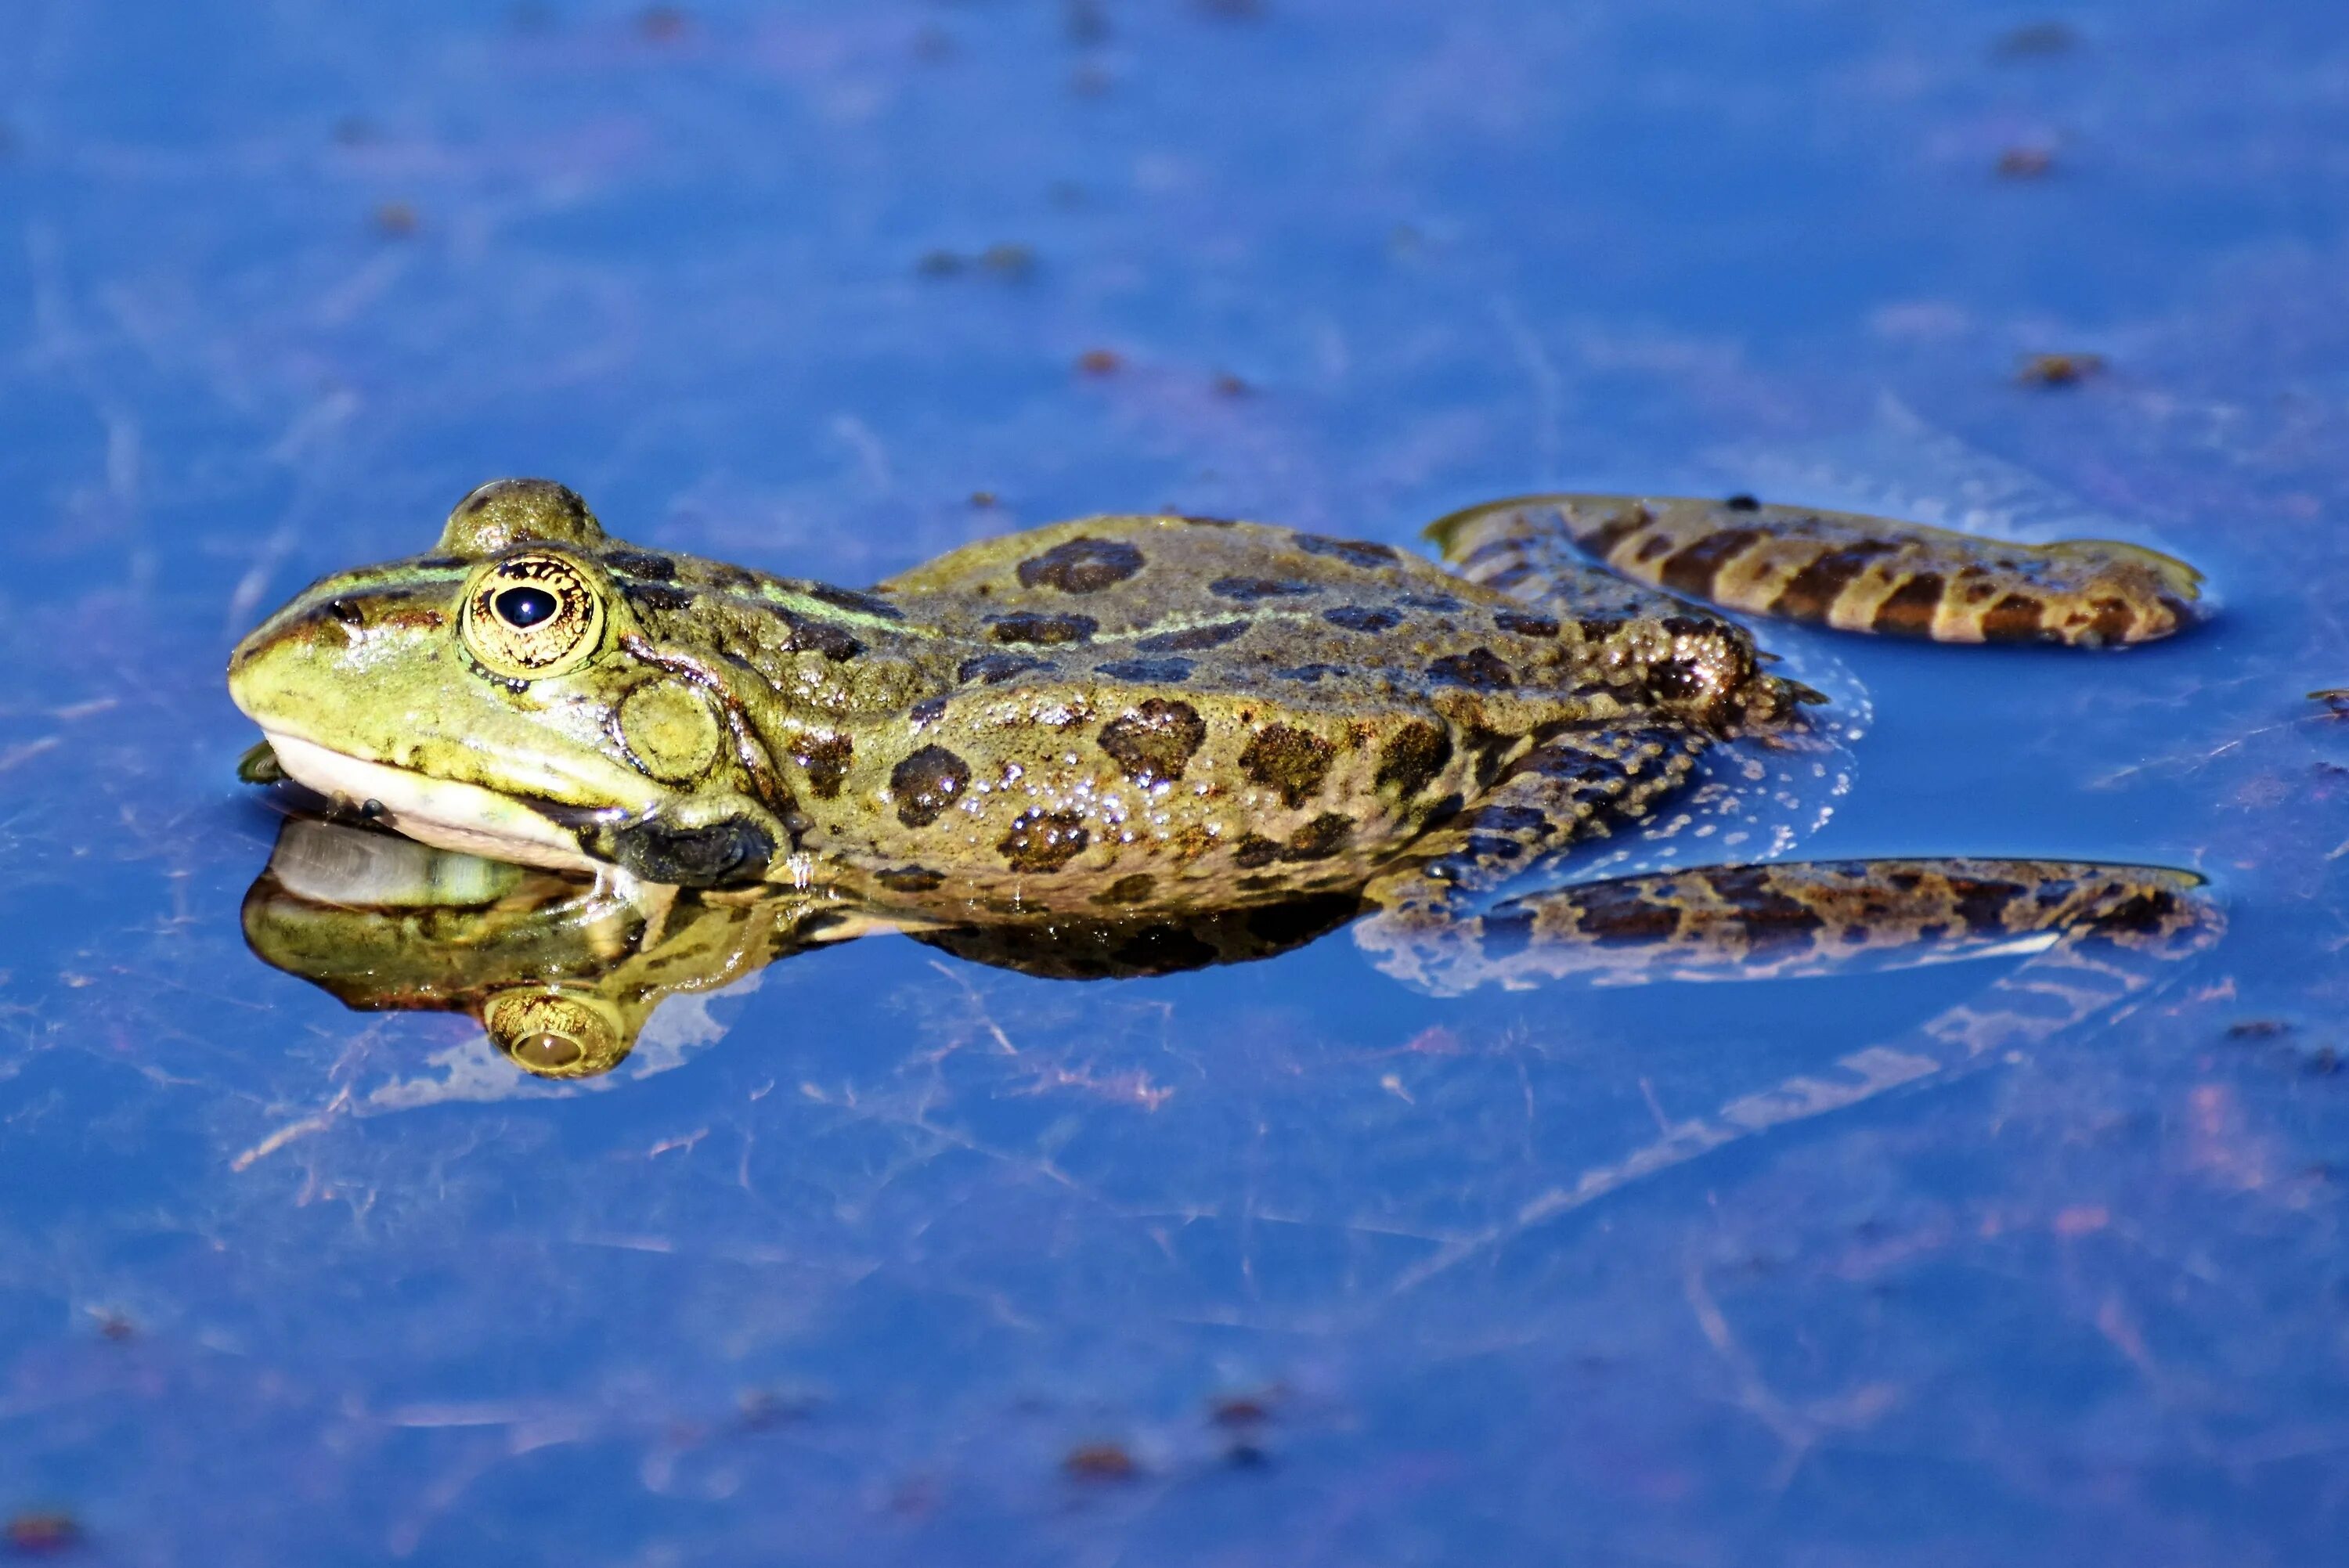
(1127,722)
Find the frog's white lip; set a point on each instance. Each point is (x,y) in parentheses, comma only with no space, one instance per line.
(441,813)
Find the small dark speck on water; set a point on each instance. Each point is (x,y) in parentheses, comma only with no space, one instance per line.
(2025,163)
(663,24)
(1239,1411)
(396,220)
(2059,369)
(1100,1462)
(1231,386)
(2035,41)
(1011,261)
(1087,23)
(1101,362)
(42,1533)
(982,498)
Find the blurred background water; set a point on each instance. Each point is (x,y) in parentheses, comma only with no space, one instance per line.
(904,1260)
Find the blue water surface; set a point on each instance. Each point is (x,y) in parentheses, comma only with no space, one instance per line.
(815,287)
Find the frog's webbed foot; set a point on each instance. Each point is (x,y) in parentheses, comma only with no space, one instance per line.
(1844,570)
(1792,919)
(1578,784)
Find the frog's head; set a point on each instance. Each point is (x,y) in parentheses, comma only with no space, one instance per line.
(500,695)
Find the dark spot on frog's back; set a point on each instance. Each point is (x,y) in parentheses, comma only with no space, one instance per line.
(826,758)
(1194,640)
(1291,761)
(855,599)
(1147,670)
(657,598)
(1042,841)
(1081,565)
(641,563)
(1413,758)
(1352,552)
(1477,669)
(810,635)
(1042,631)
(1524,625)
(1156,741)
(1248,590)
(993,669)
(1362,618)
(926,783)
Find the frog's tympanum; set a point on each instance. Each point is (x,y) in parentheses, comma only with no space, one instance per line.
(1121,745)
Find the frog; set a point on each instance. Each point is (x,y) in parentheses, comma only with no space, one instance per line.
(1142,722)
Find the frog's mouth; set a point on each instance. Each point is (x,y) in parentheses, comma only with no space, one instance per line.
(442,812)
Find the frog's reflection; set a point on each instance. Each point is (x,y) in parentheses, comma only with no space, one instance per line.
(564,972)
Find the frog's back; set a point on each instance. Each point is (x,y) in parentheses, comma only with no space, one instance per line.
(1145,703)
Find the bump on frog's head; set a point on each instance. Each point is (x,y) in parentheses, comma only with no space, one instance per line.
(504,513)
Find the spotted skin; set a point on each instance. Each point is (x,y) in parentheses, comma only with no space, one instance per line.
(1852,572)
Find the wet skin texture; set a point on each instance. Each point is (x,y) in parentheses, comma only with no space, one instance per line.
(1119,716)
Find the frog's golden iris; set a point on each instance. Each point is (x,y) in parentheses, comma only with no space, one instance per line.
(534,615)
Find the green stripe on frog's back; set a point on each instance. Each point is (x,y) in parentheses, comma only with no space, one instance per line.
(839,623)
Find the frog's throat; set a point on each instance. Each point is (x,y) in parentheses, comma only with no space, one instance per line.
(441,813)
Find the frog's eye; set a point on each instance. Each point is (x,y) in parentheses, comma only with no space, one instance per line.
(555,1033)
(534,615)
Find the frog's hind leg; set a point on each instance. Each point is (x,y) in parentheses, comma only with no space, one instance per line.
(1844,570)
(1579,783)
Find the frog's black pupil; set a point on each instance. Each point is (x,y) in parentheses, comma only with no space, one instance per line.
(523,608)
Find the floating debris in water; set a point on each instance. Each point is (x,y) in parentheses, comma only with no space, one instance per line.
(2059,369)
(1101,1462)
(1101,362)
(2025,163)
(42,1533)
(397,220)
(663,24)
(2035,41)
